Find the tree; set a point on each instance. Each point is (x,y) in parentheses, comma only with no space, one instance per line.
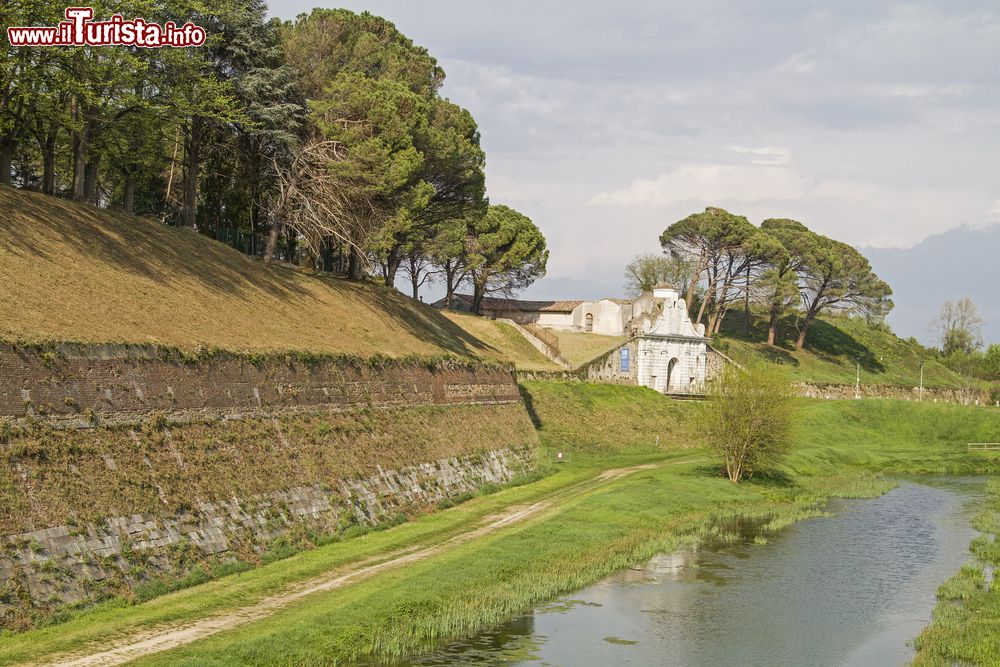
(748,418)
(647,270)
(958,327)
(835,275)
(704,239)
(507,252)
(779,283)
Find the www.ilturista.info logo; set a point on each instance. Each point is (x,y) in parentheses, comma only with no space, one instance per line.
(79,29)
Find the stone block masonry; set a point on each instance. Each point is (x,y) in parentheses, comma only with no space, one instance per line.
(117,382)
(124,465)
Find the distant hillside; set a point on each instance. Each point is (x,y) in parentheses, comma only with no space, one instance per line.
(72,272)
(836,348)
(959,262)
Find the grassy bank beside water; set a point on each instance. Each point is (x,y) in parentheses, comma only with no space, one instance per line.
(588,526)
(966,625)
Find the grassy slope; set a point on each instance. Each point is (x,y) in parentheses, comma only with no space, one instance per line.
(578,348)
(590,419)
(71,272)
(836,345)
(578,540)
(505,342)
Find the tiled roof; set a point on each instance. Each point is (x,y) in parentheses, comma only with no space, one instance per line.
(500,304)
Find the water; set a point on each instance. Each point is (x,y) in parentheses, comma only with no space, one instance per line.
(851,589)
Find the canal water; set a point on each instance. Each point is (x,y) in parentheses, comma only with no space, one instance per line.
(853,588)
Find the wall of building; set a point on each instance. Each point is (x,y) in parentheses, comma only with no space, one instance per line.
(672,365)
(609,317)
(121,465)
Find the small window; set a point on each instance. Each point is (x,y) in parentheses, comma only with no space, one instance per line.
(590,322)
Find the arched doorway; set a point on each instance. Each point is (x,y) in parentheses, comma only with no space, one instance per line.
(589,322)
(670,375)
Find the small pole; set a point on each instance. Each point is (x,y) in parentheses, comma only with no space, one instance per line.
(921,381)
(857,384)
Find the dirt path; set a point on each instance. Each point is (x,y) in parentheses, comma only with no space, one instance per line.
(168,637)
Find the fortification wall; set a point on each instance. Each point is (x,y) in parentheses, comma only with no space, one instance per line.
(124,466)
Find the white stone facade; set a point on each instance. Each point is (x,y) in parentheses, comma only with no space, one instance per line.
(672,353)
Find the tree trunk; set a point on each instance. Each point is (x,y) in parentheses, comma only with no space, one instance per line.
(6,160)
(414,279)
(291,239)
(326,255)
(48,148)
(709,296)
(801,341)
(355,271)
(128,193)
(772,325)
(272,240)
(391,267)
(746,306)
(192,164)
(478,293)
(90,180)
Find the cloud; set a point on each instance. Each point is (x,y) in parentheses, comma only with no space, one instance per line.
(765,155)
(709,183)
(915,91)
(800,63)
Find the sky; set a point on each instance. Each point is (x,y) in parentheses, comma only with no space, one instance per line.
(874,123)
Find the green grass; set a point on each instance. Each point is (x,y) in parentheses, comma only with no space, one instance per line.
(583,535)
(836,345)
(592,419)
(966,625)
(578,347)
(74,273)
(505,343)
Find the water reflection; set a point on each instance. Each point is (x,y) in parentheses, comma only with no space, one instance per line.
(851,589)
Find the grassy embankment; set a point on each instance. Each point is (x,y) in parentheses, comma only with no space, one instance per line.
(966,625)
(504,341)
(74,273)
(588,530)
(836,346)
(578,347)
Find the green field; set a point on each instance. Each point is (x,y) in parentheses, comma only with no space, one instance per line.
(586,527)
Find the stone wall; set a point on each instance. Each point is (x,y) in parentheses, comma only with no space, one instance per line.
(968,396)
(124,465)
(81,383)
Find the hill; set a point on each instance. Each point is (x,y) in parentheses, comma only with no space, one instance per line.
(959,262)
(837,348)
(72,272)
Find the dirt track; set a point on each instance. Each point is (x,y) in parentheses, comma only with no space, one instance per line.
(167,637)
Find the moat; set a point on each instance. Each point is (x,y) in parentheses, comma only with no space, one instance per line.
(853,588)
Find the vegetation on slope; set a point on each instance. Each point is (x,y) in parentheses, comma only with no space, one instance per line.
(966,625)
(578,347)
(586,531)
(505,343)
(590,419)
(837,346)
(71,272)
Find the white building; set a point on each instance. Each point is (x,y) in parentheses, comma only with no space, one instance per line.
(672,352)
(610,317)
(669,353)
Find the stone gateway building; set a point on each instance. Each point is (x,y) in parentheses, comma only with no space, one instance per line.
(668,352)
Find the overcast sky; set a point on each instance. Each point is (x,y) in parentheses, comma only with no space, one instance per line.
(875,123)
